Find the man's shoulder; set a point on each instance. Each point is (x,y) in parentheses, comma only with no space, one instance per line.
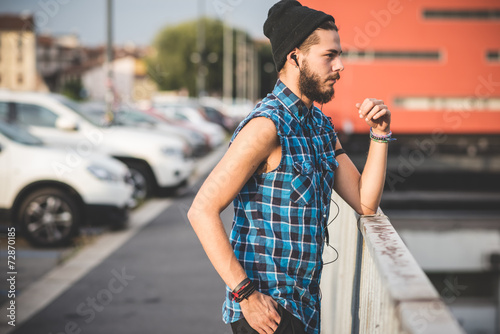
(270,107)
(267,105)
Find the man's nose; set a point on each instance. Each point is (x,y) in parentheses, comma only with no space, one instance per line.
(338,65)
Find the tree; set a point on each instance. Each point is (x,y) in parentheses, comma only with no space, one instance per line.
(73,89)
(174,63)
(268,73)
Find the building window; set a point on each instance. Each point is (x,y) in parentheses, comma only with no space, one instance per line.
(20,47)
(462,14)
(493,55)
(20,79)
(391,55)
(439,103)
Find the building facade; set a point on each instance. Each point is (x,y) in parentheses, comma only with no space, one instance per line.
(436,64)
(18,69)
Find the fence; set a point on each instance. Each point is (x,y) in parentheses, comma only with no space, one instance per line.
(376,286)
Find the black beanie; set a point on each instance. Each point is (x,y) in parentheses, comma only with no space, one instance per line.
(288,24)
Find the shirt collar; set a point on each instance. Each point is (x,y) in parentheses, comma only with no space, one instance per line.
(292,103)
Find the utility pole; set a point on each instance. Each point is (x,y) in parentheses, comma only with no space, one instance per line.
(252,72)
(241,68)
(202,70)
(228,62)
(109,96)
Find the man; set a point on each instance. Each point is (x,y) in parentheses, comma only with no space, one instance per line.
(280,169)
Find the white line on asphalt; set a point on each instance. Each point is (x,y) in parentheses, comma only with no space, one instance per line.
(42,292)
(205,165)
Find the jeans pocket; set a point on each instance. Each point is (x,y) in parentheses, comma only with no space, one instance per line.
(242,327)
(284,319)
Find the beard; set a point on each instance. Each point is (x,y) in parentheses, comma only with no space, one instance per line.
(310,85)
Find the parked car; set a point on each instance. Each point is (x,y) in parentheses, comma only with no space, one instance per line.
(48,195)
(216,116)
(132,118)
(183,125)
(155,161)
(188,114)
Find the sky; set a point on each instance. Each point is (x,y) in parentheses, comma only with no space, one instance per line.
(135,21)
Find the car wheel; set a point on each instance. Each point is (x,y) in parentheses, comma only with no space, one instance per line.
(49,217)
(142,180)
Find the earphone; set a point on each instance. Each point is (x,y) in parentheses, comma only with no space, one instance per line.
(294,57)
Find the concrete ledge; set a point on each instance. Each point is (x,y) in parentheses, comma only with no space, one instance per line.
(401,285)
(404,278)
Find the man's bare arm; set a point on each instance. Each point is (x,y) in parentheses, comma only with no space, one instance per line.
(363,192)
(252,146)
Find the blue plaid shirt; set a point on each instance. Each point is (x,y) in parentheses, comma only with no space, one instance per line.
(280,217)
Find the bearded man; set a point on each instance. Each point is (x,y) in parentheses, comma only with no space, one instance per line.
(283,162)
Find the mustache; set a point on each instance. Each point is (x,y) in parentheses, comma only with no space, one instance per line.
(336,76)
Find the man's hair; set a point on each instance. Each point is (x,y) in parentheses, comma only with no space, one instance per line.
(314,38)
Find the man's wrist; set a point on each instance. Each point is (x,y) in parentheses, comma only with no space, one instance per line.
(243,290)
(250,298)
(381,138)
(384,132)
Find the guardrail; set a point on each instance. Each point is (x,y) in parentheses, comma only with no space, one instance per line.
(375,285)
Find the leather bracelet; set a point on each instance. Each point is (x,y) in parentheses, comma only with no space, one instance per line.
(242,284)
(245,293)
(243,290)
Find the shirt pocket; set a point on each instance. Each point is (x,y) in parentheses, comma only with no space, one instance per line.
(303,188)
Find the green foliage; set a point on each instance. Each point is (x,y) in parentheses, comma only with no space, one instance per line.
(73,89)
(172,67)
(268,74)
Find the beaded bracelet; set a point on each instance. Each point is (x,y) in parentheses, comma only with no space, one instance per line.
(381,138)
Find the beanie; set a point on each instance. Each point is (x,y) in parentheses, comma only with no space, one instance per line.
(289,24)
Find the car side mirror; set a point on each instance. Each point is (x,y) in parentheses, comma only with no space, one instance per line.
(67,124)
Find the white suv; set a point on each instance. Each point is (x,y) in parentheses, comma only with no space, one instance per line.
(155,161)
(49,196)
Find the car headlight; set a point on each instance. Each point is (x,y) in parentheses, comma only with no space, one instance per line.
(172,151)
(102,173)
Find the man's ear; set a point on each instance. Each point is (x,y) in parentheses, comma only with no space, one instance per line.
(292,58)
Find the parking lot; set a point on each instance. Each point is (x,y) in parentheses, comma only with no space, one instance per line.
(158,254)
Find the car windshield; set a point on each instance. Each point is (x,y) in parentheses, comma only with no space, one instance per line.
(19,134)
(76,108)
(136,116)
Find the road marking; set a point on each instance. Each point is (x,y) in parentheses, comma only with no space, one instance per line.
(206,164)
(42,292)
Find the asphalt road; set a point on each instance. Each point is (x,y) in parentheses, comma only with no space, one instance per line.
(160,281)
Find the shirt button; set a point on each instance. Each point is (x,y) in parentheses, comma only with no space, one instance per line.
(324,216)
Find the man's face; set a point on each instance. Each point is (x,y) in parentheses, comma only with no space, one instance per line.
(321,67)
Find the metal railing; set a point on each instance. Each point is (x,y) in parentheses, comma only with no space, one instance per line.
(375,285)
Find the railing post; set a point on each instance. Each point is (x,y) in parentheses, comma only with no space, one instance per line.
(356,285)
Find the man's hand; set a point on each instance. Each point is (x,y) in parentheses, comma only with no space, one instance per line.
(261,313)
(376,115)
